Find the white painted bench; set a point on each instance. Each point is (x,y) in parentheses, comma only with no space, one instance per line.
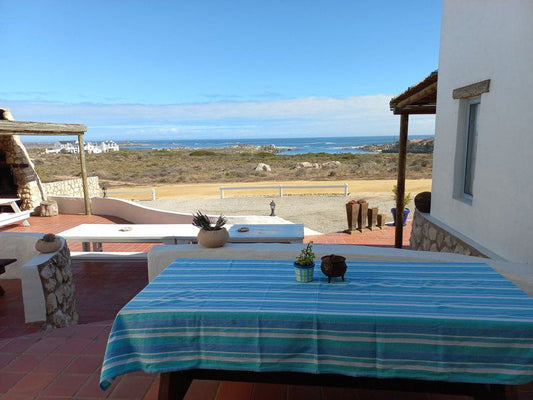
(8,218)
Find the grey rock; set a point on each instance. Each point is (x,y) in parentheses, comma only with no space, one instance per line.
(51,303)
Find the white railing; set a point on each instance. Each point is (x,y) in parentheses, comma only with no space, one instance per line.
(110,192)
(281,187)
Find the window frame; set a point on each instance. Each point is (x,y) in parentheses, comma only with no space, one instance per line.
(470,148)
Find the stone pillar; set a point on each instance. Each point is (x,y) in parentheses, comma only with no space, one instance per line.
(58,288)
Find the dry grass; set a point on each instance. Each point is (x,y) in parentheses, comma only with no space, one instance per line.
(155,168)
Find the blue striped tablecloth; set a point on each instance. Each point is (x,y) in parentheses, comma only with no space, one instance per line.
(439,321)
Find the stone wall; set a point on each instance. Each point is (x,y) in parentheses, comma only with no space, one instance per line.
(26,178)
(58,288)
(72,188)
(427,236)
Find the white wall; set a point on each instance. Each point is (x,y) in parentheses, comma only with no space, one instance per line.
(488,39)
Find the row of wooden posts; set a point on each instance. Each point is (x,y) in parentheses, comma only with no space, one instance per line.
(361,216)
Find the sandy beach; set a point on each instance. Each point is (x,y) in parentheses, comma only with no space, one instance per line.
(318,209)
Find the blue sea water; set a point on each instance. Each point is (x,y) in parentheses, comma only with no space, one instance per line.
(290,145)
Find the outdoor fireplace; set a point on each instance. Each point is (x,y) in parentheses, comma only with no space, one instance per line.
(8,186)
(17,176)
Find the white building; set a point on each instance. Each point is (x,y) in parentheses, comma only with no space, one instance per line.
(72,147)
(109,145)
(482,170)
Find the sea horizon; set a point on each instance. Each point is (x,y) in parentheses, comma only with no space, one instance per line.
(328,144)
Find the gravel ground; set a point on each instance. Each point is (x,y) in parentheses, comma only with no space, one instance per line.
(324,214)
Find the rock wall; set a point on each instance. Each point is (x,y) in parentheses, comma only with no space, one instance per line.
(26,178)
(58,288)
(427,236)
(73,188)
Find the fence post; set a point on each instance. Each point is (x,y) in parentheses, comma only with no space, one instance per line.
(346,189)
(153,194)
(280,191)
(221,192)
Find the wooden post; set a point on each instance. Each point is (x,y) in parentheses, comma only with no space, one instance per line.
(400,184)
(84,176)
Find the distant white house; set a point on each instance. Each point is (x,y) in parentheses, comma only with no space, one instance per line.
(109,145)
(482,171)
(71,147)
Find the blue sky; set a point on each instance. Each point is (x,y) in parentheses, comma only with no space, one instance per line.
(223,69)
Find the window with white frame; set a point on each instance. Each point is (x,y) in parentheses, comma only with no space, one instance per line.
(472,128)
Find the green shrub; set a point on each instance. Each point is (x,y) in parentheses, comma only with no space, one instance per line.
(200,153)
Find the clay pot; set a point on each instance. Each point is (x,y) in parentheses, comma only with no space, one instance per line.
(47,247)
(213,239)
(423,202)
(333,266)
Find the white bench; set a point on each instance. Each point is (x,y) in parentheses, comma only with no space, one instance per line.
(177,234)
(17,215)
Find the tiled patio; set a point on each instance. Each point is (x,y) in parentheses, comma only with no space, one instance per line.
(64,363)
(378,237)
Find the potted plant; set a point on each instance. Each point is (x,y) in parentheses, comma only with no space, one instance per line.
(406,200)
(48,244)
(210,236)
(304,265)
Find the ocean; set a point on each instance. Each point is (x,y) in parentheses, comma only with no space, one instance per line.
(289,145)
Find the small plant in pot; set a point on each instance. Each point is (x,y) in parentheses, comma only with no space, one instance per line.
(304,265)
(48,244)
(210,235)
(405,201)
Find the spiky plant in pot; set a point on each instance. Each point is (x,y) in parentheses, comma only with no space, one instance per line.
(202,221)
(210,235)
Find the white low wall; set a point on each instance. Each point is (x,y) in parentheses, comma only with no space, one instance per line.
(139,214)
(22,247)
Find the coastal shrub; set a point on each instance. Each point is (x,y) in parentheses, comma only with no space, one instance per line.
(200,153)
(265,154)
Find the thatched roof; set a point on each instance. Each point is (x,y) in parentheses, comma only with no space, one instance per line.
(420,98)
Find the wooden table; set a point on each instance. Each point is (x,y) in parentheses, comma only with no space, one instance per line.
(452,328)
(3,263)
(177,234)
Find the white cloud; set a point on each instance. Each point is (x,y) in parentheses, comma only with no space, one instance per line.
(356,116)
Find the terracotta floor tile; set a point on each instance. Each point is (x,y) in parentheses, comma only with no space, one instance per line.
(17,397)
(91,388)
(5,359)
(234,391)
(73,346)
(66,385)
(23,363)
(266,391)
(53,363)
(96,347)
(131,387)
(202,390)
(84,364)
(153,392)
(19,345)
(32,384)
(8,380)
(46,345)
(299,392)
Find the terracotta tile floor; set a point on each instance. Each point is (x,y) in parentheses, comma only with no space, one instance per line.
(64,363)
(379,237)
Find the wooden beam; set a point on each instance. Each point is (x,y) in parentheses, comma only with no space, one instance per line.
(86,197)
(429,110)
(418,95)
(40,128)
(400,183)
(473,90)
